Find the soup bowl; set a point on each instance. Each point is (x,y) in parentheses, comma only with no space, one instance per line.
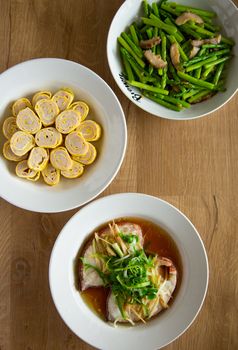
(26,78)
(168,325)
(130,11)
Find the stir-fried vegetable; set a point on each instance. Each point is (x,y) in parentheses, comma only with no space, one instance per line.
(173,44)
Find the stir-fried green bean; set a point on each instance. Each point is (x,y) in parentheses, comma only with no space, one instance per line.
(174,78)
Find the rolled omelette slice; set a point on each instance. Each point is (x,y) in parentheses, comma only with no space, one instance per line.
(90,130)
(67,121)
(38,158)
(51,175)
(47,110)
(22,170)
(28,121)
(40,95)
(20,104)
(9,127)
(80,107)
(63,98)
(60,158)
(76,144)
(74,172)
(48,138)
(21,143)
(8,154)
(88,157)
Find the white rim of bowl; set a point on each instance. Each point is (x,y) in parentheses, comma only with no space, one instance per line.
(91,204)
(22,64)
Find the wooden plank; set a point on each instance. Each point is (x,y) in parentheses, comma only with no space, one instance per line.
(191,164)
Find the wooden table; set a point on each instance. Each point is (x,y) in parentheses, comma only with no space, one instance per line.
(194,166)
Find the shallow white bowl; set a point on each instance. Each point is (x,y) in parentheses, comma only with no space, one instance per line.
(131,11)
(51,74)
(166,327)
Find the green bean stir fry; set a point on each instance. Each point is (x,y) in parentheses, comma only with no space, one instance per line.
(175,54)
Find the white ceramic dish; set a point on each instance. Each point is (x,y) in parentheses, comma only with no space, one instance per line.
(167,326)
(129,12)
(51,74)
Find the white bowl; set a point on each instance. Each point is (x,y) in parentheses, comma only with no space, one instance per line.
(131,11)
(167,326)
(51,74)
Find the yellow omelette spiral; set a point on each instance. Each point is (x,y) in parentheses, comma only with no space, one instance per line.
(21,143)
(9,127)
(90,130)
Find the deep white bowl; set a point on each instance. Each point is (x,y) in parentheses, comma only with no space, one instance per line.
(51,74)
(130,11)
(166,327)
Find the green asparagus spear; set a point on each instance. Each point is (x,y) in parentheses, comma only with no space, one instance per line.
(201,63)
(129,49)
(156,22)
(214,63)
(146,8)
(129,73)
(155,8)
(162,102)
(133,46)
(218,73)
(198,97)
(149,88)
(196,81)
(203,13)
(134,34)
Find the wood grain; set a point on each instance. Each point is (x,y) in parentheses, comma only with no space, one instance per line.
(191,164)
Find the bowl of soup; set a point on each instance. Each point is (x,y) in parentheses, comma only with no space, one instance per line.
(50,109)
(131,267)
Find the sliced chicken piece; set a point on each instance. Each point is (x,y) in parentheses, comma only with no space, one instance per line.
(194,51)
(148,44)
(89,276)
(134,312)
(175,55)
(216,40)
(188,16)
(155,60)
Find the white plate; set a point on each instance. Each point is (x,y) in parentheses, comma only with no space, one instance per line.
(164,328)
(51,74)
(129,12)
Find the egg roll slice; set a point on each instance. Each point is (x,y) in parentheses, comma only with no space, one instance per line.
(80,107)
(20,104)
(67,121)
(9,155)
(21,143)
(87,158)
(76,144)
(9,127)
(60,158)
(38,158)
(47,110)
(51,175)
(48,138)
(40,95)
(28,121)
(63,98)
(90,130)
(22,170)
(74,172)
